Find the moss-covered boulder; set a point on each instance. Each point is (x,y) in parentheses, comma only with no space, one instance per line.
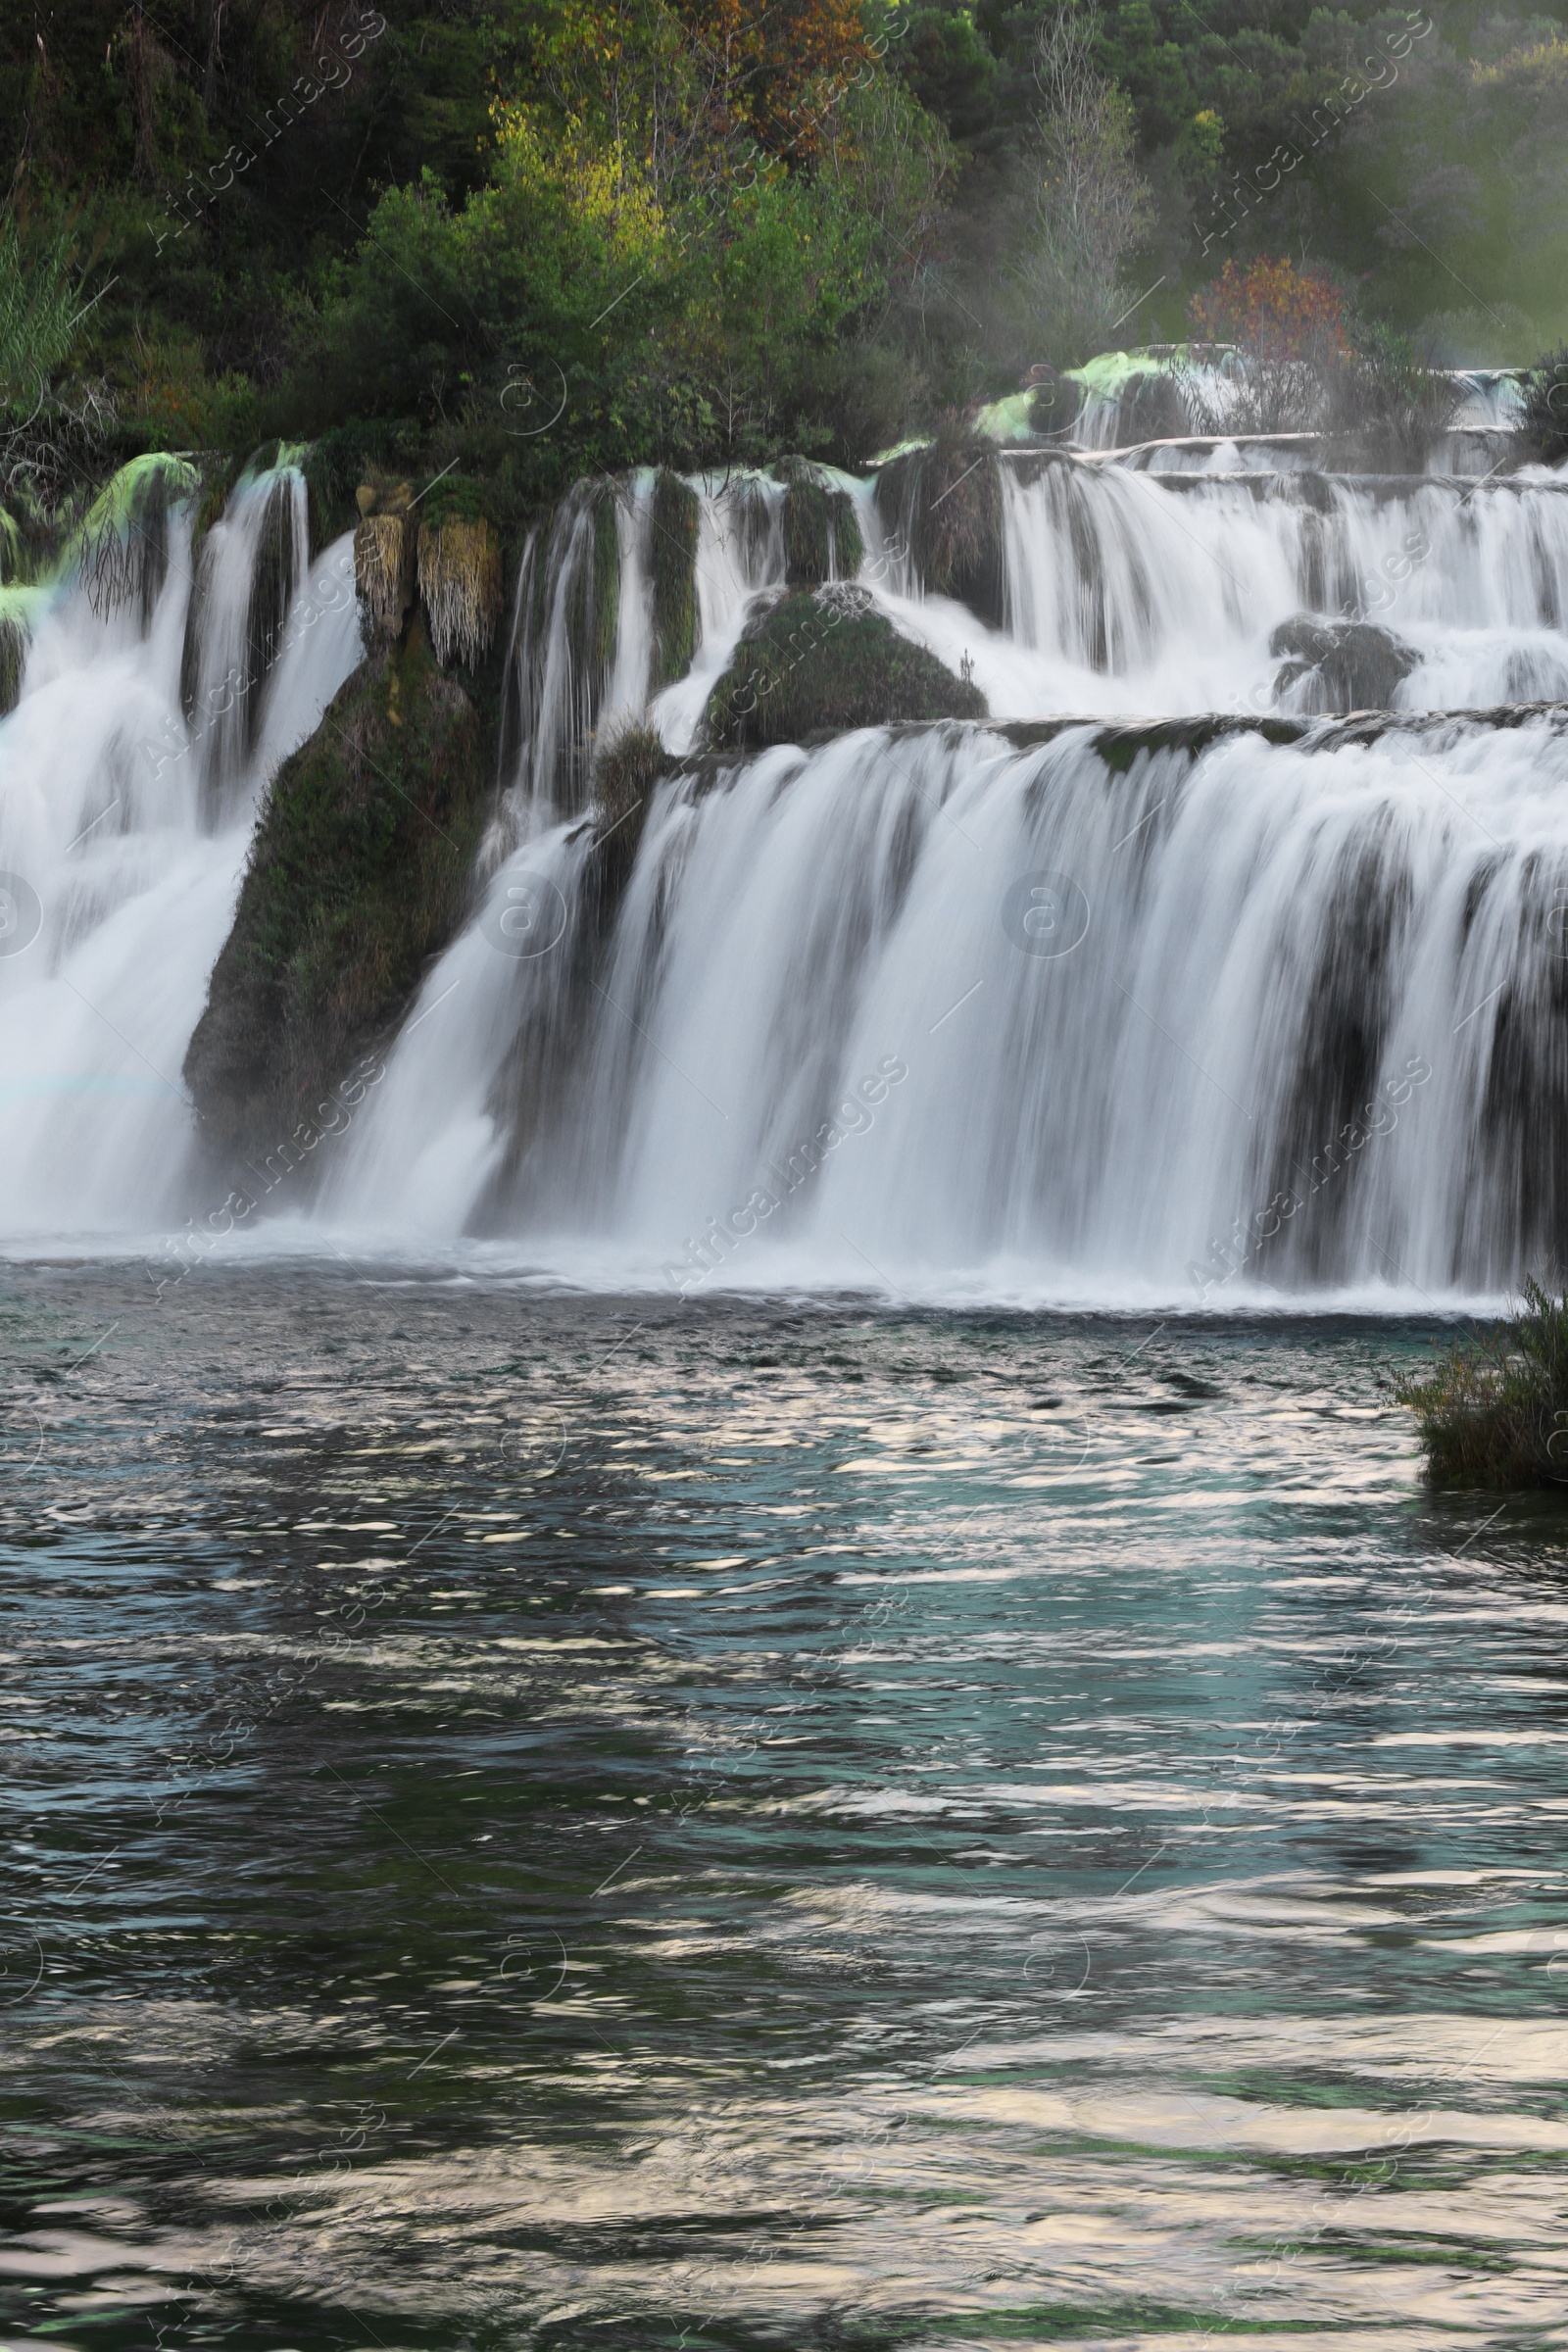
(829,660)
(628,768)
(823,538)
(945,501)
(586,532)
(672,562)
(19,612)
(357,875)
(1338,665)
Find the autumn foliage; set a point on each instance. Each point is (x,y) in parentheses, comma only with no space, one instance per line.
(1274,312)
(779,67)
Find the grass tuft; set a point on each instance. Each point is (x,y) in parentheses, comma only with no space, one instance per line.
(1493,1412)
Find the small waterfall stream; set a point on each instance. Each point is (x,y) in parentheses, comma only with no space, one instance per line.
(128,777)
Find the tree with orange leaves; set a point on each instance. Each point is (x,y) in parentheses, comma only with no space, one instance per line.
(781,69)
(1275,312)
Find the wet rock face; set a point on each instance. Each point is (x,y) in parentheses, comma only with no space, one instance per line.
(1338,666)
(357,876)
(945,501)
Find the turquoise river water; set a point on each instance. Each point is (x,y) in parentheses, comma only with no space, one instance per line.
(588,1824)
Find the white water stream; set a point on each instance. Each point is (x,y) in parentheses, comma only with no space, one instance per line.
(124,828)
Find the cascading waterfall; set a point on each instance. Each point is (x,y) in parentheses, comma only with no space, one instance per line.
(927,1014)
(251,567)
(1151,1018)
(1156,593)
(126,811)
(582,645)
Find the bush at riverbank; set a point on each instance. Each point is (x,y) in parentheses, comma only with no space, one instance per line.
(1493,1412)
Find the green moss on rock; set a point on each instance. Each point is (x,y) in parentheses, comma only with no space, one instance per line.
(829,661)
(821,533)
(357,875)
(120,553)
(625,773)
(946,501)
(20,610)
(672,562)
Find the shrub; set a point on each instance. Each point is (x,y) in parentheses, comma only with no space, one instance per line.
(1273,311)
(1493,1412)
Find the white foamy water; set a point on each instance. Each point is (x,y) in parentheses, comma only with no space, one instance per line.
(1314,995)
(128,824)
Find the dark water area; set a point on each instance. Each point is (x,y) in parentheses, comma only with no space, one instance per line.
(539,1821)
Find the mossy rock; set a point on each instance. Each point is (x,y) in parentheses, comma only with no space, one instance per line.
(218,475)
(19,612)
(357,875)
(823,538)
(946,501)
(1055,403)
(15,638)
(121,551)
(628,769)
(1339,666)
(594,615)
(829,661)
(672,562)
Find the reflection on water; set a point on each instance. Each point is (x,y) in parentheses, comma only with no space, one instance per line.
(543,1822)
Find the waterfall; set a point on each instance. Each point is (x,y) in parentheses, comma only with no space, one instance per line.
(1056,1009)
(128,776)
(1149,593)
(251,567)
(583,636)
(927,1013)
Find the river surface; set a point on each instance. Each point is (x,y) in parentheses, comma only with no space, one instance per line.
(601,1824)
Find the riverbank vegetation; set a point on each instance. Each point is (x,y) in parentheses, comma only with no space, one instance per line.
(1493,1412)
(538,240)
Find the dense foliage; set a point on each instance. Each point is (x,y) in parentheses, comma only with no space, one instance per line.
(555,236)
(1493,1412)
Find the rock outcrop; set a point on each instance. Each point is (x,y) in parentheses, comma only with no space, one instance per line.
(358,874)
(1338,666)
(824,663)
